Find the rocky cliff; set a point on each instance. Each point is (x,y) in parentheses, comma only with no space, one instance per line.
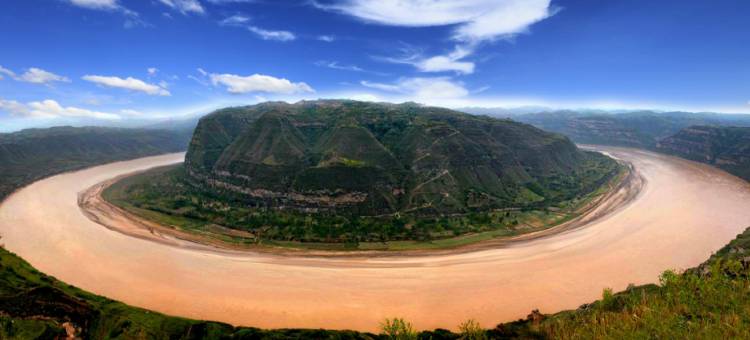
(725,147)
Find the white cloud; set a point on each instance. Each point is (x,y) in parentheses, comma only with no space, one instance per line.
(366,97)
(152,71)
(423,88)
(258,83)
(240,20)
(111,5)
(96,4)
(476,21)
(38,76)
(50,109)
(336,66)
(327,38)
(13,107)
(185,6)
(450,62)
(130,112)
(235,20)
(7,72)
(344,67)
(220,2)
(128,83)
(272,35)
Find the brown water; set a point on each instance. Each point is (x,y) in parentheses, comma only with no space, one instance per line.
(685,212)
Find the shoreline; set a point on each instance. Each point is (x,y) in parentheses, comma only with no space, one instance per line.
(686,212)
(104,213)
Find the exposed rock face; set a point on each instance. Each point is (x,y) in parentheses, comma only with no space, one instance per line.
(374,159)
(725,147)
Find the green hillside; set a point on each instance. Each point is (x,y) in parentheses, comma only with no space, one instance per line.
(35,153)
(374,159)
(727,148)
(367,176)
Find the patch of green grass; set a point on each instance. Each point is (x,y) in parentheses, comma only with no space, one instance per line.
(165,196)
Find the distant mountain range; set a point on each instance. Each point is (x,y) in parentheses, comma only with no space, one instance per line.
(643,129)
(722,140)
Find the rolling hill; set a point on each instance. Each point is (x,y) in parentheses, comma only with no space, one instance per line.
(375,159)
(641,129)
(31,154)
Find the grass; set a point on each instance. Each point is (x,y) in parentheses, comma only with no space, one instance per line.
(683,306)
(162,195)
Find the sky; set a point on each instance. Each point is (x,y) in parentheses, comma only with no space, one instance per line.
(116,61)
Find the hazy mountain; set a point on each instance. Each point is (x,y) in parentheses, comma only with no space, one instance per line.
(636,128)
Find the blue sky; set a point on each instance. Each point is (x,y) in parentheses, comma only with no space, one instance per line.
(68,61)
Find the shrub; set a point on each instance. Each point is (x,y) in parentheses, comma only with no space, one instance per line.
(398,329)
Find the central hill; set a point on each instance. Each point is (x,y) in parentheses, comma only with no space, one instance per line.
(374,159)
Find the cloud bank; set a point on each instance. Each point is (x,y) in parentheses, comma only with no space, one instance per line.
(51,109)
(476,21)
(258,83)
(128,83)
(426,89)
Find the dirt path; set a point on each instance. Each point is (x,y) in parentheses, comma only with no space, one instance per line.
(684,212)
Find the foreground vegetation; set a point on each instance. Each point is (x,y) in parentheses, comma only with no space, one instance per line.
(166,196)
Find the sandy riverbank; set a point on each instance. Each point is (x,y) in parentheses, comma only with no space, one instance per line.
(683,212)
(622,191)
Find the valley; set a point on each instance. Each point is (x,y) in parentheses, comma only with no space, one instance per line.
(684,212)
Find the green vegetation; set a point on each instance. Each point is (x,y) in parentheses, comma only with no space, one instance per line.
(31,154)
(166,196)
(727,148)
(398,329)
(356,175)
(691,305)
(349,158)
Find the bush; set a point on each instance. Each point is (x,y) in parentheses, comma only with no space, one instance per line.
(471,330)
(398,329)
